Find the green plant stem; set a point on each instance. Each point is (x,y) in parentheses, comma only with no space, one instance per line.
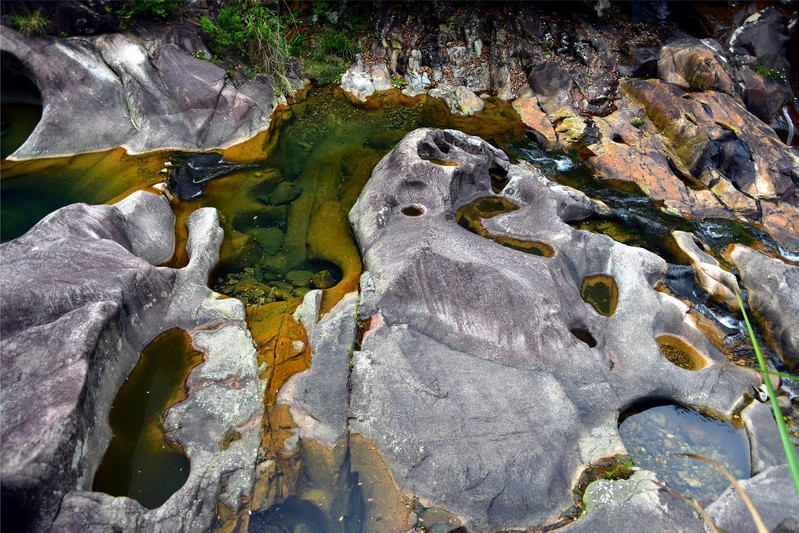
(790,454)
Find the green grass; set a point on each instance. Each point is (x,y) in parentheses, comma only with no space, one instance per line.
(31,22)
(790,454)
(772,74)
(253,33)
(637,122)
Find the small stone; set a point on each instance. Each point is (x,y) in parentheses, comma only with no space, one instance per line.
(284,193)
(300,292)
(300,278)
(323,280)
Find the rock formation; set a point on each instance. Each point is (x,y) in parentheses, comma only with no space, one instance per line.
(81,298)
(488,377)
(143,90)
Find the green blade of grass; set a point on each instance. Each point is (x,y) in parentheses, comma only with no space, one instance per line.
(790,454)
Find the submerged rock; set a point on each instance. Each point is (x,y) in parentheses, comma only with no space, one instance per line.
(81,298)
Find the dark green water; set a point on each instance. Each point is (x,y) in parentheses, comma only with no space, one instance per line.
(139,462)
(17,121)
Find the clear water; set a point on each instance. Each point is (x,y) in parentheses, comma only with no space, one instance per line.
(655,436)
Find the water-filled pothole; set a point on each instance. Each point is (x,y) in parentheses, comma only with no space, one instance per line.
(20,104)
(654,434)
(538,248)
(441,162)
(601,292)
(499,179)
(471,215)
(140,463)
(681,353)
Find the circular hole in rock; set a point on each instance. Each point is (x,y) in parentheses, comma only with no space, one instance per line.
(585,337)
(654,432)
(413,210)
(601,292)
(681,353)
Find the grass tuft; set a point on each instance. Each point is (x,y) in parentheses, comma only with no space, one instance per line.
(31,22)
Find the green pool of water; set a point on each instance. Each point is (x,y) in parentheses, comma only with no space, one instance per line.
(140,463)
(17,121)
(653,436)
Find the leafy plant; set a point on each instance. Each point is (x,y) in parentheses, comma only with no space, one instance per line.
(31,22)
(336,43)
(790,454)
(150,9)
(637,122)
(323,73)
(772,74)
(255,33)
(398,82)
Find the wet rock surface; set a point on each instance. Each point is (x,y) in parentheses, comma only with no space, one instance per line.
(773,286)
(75,329)
(143,90)
(458,329)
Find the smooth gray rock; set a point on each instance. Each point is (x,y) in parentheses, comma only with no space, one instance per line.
(141,90)
(773,285)
(318,396)
(79,303)
(634,505)
(767,449)
(479,397)
(772,494)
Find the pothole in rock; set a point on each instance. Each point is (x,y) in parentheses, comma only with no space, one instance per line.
(471,217)
(655,433)
(440,162)
(413,210)
(680,353)
(140,463)
(499,179)
(601,292)
(20,104)
(538,248)
(585,337)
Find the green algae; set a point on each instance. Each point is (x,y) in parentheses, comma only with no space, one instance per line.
(140,462)
(601,292)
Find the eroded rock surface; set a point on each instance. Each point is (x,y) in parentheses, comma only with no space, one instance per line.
(470,380)
(142,90)
(81,298)
(773,287)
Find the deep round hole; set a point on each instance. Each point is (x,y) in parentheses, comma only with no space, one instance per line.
(584,336)
(413,210)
